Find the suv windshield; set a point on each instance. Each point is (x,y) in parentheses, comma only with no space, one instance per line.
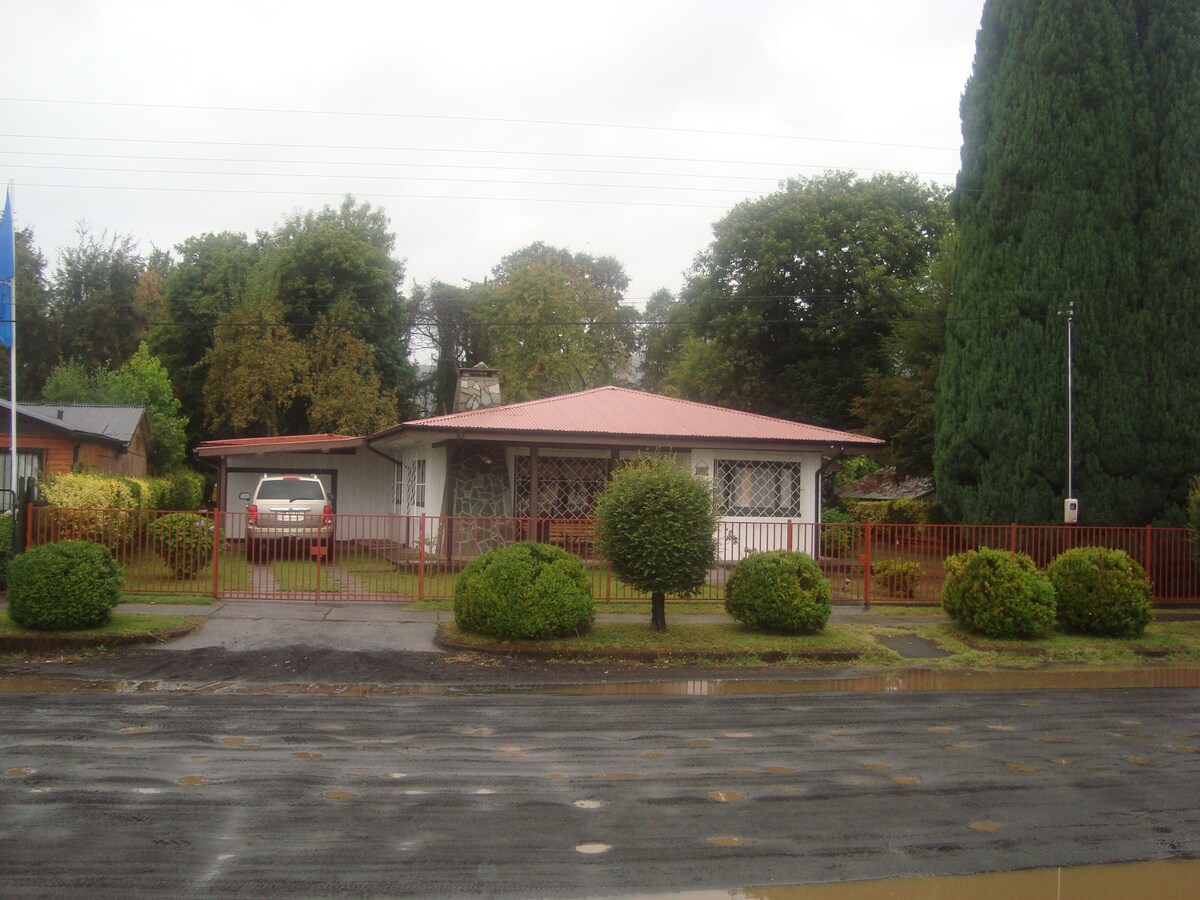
(288,489)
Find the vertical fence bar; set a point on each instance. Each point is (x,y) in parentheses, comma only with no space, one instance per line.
(866,557)
(216,557)
(421,560)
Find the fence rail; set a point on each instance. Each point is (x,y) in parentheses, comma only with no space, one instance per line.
(417,557)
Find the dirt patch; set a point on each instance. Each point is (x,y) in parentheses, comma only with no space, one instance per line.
(290,665)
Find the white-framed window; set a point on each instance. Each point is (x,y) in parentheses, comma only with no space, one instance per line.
(759,488)
(409,491)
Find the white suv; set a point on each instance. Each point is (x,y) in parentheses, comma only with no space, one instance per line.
(287,509)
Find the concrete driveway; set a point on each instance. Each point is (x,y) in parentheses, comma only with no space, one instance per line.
(248,625)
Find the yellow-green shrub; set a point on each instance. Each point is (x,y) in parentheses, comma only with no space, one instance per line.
(78,490)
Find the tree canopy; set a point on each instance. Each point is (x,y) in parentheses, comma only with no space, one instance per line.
(1079,196)
(789,306)
(553,321)
(142,381)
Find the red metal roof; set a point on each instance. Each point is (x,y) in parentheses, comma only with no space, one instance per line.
(283,443)
(623,413)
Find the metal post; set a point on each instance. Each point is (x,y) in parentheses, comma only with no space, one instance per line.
(867,568)
(421,561)
(1070,401)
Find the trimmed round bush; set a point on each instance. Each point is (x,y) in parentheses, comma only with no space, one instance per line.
(184,541)
(998,593)
(780,591)
(1101,591)
(63,587)
(524,591)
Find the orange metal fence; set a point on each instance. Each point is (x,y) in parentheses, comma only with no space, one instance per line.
(417,557)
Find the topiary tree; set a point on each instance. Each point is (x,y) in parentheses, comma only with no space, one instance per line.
(781,591)
(1101,591)
(63,587)
(998,593)
(524,591)
(656,525)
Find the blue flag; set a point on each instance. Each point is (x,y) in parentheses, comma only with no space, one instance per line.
(8,273)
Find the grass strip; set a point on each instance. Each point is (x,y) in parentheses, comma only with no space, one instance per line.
(717,641)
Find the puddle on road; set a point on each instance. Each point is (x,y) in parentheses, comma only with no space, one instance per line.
(1161,878)
(910,680)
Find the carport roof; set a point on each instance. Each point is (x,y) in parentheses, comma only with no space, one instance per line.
(312,443)
(625,414)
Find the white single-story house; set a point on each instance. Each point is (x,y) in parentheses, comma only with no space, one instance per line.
(540,460)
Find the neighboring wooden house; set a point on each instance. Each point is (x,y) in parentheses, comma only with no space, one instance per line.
(545,460)
(53,438)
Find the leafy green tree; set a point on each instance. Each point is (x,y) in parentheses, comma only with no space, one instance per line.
(555,323)
(1078,195)
(342,385)
(447,325)
(37,346)
(142,381)
(656,524)
(206,279)
(343,258)
(797,292)
(93,299)
(254,369)
(898,400)
(662,334)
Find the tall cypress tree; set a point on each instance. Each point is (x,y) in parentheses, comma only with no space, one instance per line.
(1059,201)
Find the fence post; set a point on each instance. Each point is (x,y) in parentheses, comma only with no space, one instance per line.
(867,567)
(421,561)
(1149,534)
(1012,537)
(216,553)
(789,536)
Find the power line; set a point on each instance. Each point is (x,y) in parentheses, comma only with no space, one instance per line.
(460,150)
(498,181)
(479,119)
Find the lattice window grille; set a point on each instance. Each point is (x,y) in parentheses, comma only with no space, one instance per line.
(763,488)
(567,486)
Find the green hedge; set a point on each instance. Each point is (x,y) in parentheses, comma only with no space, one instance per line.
(998,593)
(525,591)
(780,591)
(7,524)
(184,542)
(897,577)
(1101,591)
(66,586)
(181,490)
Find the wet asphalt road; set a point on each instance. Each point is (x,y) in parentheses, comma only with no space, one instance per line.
(544,795)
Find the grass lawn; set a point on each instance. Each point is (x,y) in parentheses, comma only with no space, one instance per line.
(169,599)
(1173,642)
(691,643)
(121,625)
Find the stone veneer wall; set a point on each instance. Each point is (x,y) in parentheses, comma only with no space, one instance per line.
(481,489)
(477,388)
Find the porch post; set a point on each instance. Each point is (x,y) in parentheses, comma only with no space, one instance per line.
(534,505)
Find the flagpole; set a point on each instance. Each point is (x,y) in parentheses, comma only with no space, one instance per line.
(12,349)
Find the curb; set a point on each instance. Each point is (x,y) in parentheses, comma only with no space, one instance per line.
(53,643)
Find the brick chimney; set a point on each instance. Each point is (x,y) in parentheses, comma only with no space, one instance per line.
(478,388)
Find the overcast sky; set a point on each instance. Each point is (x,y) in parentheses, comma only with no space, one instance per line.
(612,128)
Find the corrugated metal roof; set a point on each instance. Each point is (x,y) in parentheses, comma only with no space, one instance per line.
(885,484)
(614,412)
(113,422)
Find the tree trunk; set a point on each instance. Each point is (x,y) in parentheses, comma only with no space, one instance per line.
(658,611)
